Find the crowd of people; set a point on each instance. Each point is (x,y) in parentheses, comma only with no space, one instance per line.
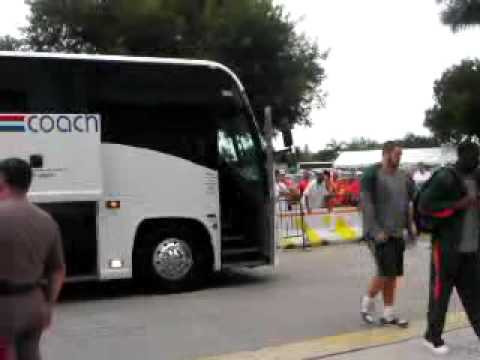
(317,190)
(327,189)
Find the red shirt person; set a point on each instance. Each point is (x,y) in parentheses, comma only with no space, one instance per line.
(303,184)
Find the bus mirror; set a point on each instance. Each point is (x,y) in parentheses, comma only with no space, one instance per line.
(287,138)
(286,130)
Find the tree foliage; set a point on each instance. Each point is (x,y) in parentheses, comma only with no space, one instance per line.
(255,38)
(334,147)
(356,144)
(412,141)
(459,14)
(456,111)
(9,43)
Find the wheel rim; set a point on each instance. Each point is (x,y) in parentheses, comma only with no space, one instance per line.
(172,259)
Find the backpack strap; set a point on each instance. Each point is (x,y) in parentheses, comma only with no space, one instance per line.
(371,181)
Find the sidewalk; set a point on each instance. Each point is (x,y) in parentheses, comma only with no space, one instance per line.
(389,343)
(463,344)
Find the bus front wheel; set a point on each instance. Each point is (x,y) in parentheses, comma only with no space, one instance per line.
(173,260)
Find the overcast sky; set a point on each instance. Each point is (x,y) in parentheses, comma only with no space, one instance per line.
(385,56)
(13,14)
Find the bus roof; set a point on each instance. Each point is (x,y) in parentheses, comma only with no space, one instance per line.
(127,59)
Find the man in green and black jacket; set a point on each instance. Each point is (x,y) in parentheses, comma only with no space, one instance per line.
(451,197)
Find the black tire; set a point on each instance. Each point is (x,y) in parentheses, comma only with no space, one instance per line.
(145,270)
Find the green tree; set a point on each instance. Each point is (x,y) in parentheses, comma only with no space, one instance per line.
(256,38)
(361,143)
(417,141)
(356,144)
(459,14)
(335,145)
(299,155)
(9,43)
(325,155)
(307,154)
(456,111)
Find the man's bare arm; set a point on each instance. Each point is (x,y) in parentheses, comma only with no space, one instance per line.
(54,285)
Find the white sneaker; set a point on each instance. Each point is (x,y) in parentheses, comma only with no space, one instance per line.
(367,310)
(437,347)
(403,323)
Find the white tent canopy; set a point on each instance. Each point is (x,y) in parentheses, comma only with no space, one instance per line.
(430,156)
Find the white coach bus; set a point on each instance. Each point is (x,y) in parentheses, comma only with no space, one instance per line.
(153,168)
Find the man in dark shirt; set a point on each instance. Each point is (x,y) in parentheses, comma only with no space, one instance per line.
(32,268)
(452,197)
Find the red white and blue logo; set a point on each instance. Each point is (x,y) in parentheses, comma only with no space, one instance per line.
(12,123)
(49,123)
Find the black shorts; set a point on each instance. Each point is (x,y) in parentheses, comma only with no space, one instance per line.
(389,257)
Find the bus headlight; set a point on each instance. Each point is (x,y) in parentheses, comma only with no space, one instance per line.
(116,264)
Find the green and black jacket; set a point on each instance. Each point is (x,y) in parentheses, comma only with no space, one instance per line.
(439,196)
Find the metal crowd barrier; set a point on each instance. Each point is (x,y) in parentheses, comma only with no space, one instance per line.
(297,227)
(290,220)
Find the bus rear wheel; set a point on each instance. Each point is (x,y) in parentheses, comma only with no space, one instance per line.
(173,261)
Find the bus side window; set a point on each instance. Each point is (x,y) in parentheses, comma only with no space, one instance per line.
(13,101)
(226,148)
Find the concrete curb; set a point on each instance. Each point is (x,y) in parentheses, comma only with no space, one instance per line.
(326,347)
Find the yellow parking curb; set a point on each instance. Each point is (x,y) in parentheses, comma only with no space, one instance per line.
(321,347)
(313,238)
(345,231)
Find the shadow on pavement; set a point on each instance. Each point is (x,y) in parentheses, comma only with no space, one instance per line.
(93,291)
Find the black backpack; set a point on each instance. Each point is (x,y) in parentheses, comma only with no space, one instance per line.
(426,223)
